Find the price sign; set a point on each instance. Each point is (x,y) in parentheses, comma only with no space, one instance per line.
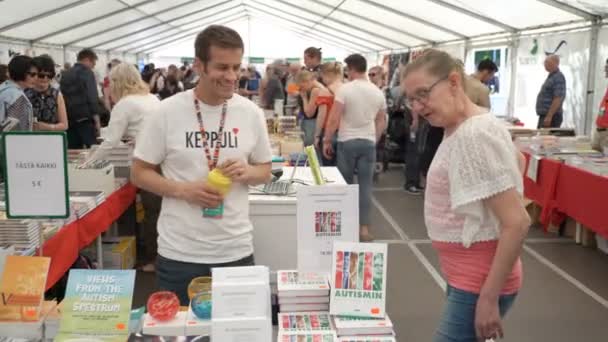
(35,174)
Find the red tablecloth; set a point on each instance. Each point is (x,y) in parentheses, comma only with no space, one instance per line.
(542,192)
(562,190)
(582,195)
(64,246)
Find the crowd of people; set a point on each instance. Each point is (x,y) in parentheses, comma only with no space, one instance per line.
(185,122)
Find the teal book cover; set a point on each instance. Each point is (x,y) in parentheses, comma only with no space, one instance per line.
(97,305)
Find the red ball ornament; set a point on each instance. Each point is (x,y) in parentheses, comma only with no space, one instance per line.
(163,306)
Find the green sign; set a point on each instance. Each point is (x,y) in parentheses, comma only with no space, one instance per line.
(256,60)
(293,60)
(189,60)
(329,59)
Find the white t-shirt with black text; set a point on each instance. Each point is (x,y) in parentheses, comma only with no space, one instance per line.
(362,101)
(172,139)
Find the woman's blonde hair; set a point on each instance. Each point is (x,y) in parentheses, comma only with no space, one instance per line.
(125,80)
(436,63)
(304,75)
(331,68)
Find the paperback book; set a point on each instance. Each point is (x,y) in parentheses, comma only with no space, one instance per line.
(307,337)
(304,322)
(302,284)
(97,305)
(356,326)
(359,280)
(367,339)
(22,288)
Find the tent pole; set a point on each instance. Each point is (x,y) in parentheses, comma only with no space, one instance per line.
(589,100)
(514,47)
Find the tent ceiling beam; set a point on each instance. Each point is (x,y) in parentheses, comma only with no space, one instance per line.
(570,9)
(130,22)
(475,15)
(368,43)
(416,19)
(150,15)
(343,23)
(190,35)
(375,22)
(43,15)
(90,21)
(169,29)
(192,31)
(287,25)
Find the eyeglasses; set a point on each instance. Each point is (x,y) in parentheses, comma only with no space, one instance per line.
(371,74)
(43,75)
(31,74)
(422,95)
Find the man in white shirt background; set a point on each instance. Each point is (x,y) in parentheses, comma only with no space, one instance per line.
(360,112)
(191,134)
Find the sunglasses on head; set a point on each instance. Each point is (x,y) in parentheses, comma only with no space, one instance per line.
(44,75)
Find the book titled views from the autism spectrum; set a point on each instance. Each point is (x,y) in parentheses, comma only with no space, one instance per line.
(307,337)
(97,305)
(358,280)
(305,322)
(22,287)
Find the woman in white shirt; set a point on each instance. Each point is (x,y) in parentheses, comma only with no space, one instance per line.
(473,207)
(133,103)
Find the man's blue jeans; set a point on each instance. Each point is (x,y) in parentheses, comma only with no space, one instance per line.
(360,155)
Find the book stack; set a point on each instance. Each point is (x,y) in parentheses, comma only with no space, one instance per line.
(354,328)
(304,323)
(310,336)
(301,292)
(79,209)
(286,124)
(95,198)
(367,339)
(358,294)
(23,234)
(241,304)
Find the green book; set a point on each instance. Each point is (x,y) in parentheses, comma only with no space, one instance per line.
(314,164)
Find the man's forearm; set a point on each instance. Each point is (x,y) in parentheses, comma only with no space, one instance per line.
(151,180)
(555,104)
(380,126)
(259,174)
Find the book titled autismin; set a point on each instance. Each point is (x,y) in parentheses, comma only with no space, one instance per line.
(97,305)
(358,280)
(22,288)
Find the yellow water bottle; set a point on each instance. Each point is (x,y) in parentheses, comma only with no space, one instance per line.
(219,182)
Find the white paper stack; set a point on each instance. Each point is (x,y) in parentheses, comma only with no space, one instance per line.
(241,304)
(303,291)
(357,326)
(93,197)
(23,234)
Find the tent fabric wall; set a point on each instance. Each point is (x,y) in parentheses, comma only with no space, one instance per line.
(601,82)
(531,75)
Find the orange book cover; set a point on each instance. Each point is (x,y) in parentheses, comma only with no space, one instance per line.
(22,287)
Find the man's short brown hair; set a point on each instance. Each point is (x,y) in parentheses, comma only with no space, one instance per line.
(219,36)
(313,52)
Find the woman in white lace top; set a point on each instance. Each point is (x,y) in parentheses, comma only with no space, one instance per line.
(474,211)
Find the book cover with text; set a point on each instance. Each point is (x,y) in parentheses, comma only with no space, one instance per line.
(307,337)
(22,287)
(359,280)
(97,305)
(305,322)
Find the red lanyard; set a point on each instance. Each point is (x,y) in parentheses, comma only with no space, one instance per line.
(211,162)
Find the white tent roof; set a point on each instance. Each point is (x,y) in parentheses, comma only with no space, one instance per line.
(143,26)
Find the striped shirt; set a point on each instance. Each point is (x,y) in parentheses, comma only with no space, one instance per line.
(554,86)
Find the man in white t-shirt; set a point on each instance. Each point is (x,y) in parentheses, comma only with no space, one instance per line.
(191,133)
(360,111)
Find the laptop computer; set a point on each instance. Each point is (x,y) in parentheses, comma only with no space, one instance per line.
(282,187)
